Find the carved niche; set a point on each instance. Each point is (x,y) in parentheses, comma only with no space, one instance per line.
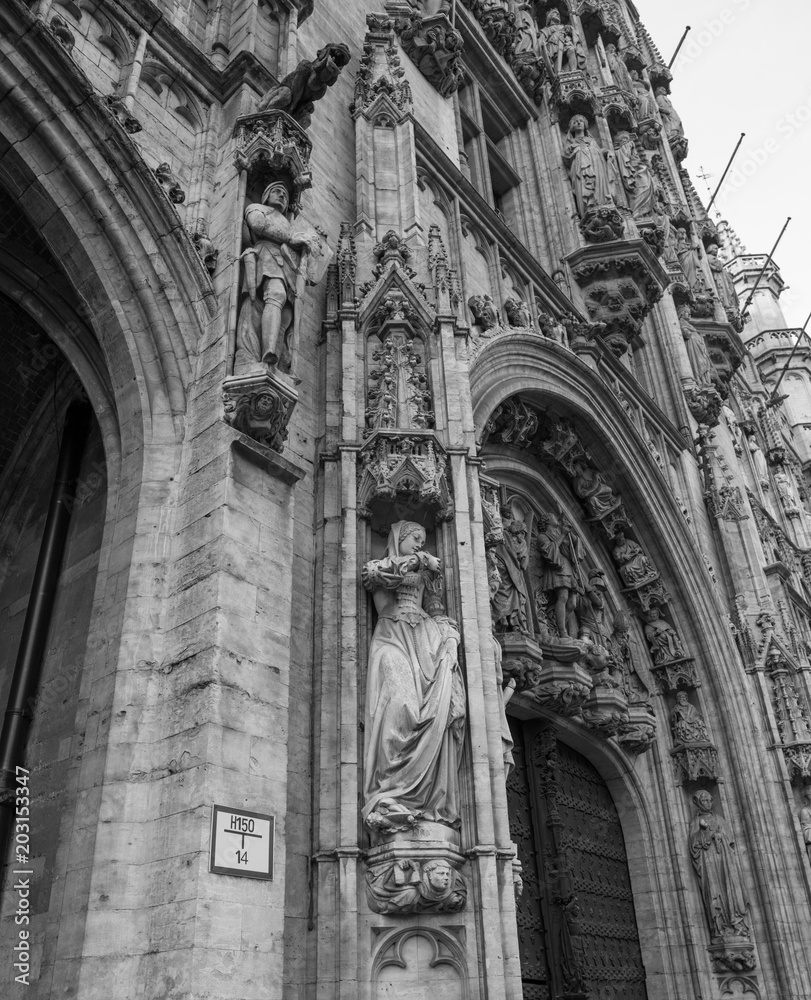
(282,256)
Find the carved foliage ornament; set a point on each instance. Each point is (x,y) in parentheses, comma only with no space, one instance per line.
(380,86)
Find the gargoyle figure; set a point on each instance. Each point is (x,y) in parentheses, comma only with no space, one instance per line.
(307,83)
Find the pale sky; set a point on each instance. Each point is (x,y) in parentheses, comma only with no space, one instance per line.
(744,67)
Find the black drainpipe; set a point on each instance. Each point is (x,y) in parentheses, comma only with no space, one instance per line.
(27,669)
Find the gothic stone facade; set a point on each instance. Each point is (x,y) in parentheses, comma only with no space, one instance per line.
(439,500)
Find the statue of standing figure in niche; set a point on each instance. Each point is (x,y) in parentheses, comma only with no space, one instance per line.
(619,71)
(724,284)
(805,818)
(415,697)
(702,366)
(562,45)
(588,168)
(510,602)
(670,120)
(281,260)
(687,722)
(561,573)
(716,864)
(689,260)
(646,103)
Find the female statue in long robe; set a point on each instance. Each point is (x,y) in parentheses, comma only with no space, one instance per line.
(588,170)
(715,860)
(415,698)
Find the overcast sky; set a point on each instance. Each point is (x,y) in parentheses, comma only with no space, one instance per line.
(744,67)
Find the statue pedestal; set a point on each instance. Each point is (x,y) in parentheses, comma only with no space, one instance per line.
(416,871)
(673,675)
(605,710)
(639,731)
(561,687)
(259,404)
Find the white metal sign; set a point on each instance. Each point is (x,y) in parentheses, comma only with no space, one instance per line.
(241,843)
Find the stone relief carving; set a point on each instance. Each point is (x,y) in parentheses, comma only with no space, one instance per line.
(715,860)
(674,130)
(517,312)
(645,101)
(204,246)
(380,82)
(411,885)
(484,311)
(309,81)
(398,394)
(725,287)
(170,183)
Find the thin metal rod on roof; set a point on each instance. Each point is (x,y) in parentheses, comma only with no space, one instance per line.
(681,42)
(763,270)
(726,171)
(773,398)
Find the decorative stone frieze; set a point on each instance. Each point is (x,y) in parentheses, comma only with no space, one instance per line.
(673,675)
(410,468)
(435,48)
(620,282)
(550,673)
(260,404)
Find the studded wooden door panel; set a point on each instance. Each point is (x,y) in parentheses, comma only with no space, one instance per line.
(595,850)
(576,921)
(531,932)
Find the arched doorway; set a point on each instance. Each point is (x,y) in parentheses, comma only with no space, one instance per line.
(577,925)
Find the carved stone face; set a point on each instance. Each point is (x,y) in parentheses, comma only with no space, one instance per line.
(439,877)
(703,800)
(653,614)
(412,543)
(276,196)
(681,698)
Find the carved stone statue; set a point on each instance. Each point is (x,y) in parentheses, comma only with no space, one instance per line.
(687,722)
(703,370)
(560,550)
(634,567)
(510,602)
(646,104)
(716,864)
(670,119)
(591,615)
(588,169)
(689,260)
(724,284)
(484,312)
(518,313)
(805,818)
(282,259)
(619,71)
(562,45)
(307,83)
(415,698)
(593,490)
(665,644)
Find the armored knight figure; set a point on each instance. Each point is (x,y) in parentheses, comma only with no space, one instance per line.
(561,574)
(562,45)
(281,260)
